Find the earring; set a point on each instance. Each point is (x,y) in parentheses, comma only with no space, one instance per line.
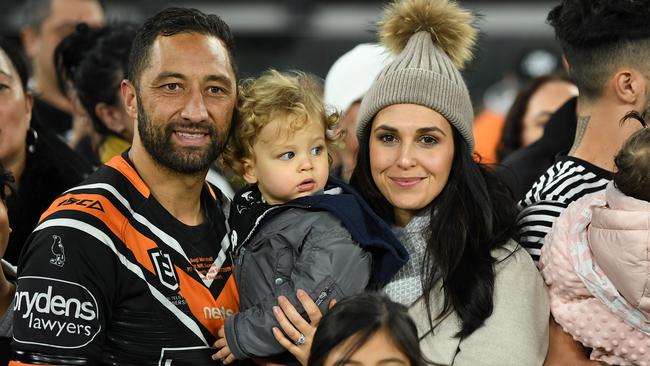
(32,137)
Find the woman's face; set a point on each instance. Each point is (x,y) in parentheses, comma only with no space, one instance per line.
(541,105)
(15,112)
(411,154)
(380,349)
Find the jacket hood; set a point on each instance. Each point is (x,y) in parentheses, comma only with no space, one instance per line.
(619,237)
(340,199)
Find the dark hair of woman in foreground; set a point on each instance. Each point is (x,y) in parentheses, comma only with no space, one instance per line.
(357,319)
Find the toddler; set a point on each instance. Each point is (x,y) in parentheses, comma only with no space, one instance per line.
(596,265)
(292,227)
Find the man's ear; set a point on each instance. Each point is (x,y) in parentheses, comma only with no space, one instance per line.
(250,174)
(129,96)
(630,85)
(566,65)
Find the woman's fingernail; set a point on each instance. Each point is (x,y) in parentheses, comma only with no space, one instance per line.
(276,310)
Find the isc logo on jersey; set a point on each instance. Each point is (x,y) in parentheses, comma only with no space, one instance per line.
(53,312)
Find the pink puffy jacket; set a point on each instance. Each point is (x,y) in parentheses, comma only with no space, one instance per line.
(595,262)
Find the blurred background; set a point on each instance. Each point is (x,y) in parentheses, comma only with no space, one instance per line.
(310,35)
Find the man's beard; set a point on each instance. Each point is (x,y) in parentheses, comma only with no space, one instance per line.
(157,140)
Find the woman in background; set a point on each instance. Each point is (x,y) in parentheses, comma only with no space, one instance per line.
(532,108)
(42,164)
(91,63)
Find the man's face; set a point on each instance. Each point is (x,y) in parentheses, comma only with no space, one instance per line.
(185,101)
(63,17)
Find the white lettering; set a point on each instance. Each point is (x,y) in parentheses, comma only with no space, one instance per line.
(45,303)
(58,305)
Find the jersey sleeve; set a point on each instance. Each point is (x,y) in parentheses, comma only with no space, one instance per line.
(331,265)
(66,283)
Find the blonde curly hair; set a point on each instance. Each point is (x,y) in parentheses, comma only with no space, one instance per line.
(274,94)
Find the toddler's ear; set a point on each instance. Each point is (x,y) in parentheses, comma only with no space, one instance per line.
(250,173)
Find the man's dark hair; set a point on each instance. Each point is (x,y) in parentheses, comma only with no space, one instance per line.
(172,21)
(598,36)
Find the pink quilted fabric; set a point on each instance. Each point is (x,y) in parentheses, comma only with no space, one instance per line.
(604,322)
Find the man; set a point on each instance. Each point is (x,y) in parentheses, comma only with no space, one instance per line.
(134,265)
(606,45)
(606,61)
(347,81)
(46,23)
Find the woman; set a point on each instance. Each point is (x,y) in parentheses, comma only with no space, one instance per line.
(42,165)
(533,106)
(476,298)
(94,62)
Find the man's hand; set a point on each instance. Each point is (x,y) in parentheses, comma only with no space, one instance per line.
(221,344)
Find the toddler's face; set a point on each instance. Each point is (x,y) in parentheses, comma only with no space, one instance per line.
(286,163)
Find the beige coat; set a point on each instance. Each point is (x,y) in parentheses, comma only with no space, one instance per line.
(515,334)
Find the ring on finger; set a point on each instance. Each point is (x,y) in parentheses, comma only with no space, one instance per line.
(301,340)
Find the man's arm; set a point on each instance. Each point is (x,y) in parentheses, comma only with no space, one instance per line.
(65,284)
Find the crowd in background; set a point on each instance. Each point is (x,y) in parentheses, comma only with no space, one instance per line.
(560,179)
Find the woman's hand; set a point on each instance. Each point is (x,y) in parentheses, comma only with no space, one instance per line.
(298,333)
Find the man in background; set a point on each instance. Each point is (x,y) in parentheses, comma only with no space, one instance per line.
(347,81)
(45,24)
(607,47)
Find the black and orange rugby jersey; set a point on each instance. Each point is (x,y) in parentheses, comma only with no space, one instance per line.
(110,277)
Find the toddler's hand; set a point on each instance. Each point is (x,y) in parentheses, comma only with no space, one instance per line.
(224,353)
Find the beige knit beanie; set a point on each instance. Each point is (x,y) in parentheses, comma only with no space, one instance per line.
(432,40)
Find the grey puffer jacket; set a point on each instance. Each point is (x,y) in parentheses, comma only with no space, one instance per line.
(294,246)
(297,249)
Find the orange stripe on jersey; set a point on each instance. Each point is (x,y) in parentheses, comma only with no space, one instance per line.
(230,289)
(118,163)
(16,363)
(103,209)
(228,299)
(195,293)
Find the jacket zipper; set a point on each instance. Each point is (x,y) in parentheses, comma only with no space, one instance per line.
(240,256)
(323,295)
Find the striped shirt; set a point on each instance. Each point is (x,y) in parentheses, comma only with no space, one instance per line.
(567,180)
